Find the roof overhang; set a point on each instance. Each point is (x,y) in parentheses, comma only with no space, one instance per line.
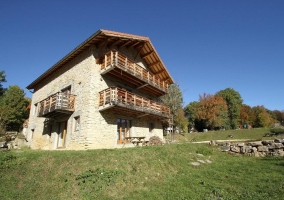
(109,39)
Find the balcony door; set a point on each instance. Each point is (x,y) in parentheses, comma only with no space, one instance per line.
(65,96)
(123,130)
(62,134)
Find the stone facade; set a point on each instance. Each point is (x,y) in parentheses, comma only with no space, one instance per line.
(96,129)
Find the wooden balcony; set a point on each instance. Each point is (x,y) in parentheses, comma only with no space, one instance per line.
(121,67)
(56,105)
(124,102)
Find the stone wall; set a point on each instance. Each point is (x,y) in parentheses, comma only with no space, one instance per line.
(257,148)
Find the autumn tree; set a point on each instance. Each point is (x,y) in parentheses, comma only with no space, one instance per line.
(212,111)
(247,115)
(234,101)
(174,100)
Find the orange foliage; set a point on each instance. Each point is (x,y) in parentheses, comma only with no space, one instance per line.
(213,110)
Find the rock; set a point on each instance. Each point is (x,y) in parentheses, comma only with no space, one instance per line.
(279,140)
(246,149)
(235,149)
(195,163)
(275,146)
(241,144)
(254,149)
(267,142)
(262,148)
(213,143)
(255,144)
(225,148)
(201,161)
(209,161)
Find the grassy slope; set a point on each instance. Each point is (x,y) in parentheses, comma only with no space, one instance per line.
(161,172)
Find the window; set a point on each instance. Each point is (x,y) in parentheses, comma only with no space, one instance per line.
(77,123)
(151,127)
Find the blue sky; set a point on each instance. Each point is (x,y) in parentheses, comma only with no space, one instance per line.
(207,45)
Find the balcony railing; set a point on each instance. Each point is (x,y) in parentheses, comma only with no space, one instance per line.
(114,96)
(57,103)
(115,59)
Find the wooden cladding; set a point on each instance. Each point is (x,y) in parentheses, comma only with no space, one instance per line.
(114,59)
(114,96)
(59,102)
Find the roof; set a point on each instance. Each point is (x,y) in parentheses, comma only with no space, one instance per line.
(106,38)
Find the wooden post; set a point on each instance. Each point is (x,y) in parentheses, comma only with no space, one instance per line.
(105,61)
(111,58)
(104,97)
(50,102)
(116,58)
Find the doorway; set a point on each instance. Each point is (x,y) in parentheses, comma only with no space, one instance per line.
(62,134)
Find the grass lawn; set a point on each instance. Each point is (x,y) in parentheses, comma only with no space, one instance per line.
(153,172)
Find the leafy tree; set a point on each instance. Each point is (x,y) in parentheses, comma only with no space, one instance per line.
(247,115)
(190,113)
(234,102)
(262,117)
(13,108)
(174,100)
(279,116)
(2,79)
(265,119)
(212,111)
(180,120)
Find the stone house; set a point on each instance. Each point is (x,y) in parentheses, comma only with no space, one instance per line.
(103,91)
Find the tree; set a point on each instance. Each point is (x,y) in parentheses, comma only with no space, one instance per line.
(190,113)
(279,116)
(2,79)
(13,108)
(212,111)
(180,120)
(174,100)
(234,102)
(247,115)
(262,117)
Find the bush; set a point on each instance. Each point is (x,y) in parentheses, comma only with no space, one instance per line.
(277,131)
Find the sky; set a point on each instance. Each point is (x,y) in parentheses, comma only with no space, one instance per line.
(206,45)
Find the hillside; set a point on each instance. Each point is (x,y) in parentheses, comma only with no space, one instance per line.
(153,172)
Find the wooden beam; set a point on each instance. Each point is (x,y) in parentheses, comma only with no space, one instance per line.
(114,43)
(134,44)
(159,73)
(147,54)
(153,64)
(126,43)
(145,114)
(142,86)
(139,51)
(103,43)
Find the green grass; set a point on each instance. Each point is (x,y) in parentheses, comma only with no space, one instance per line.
(162,172)
(255,134)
